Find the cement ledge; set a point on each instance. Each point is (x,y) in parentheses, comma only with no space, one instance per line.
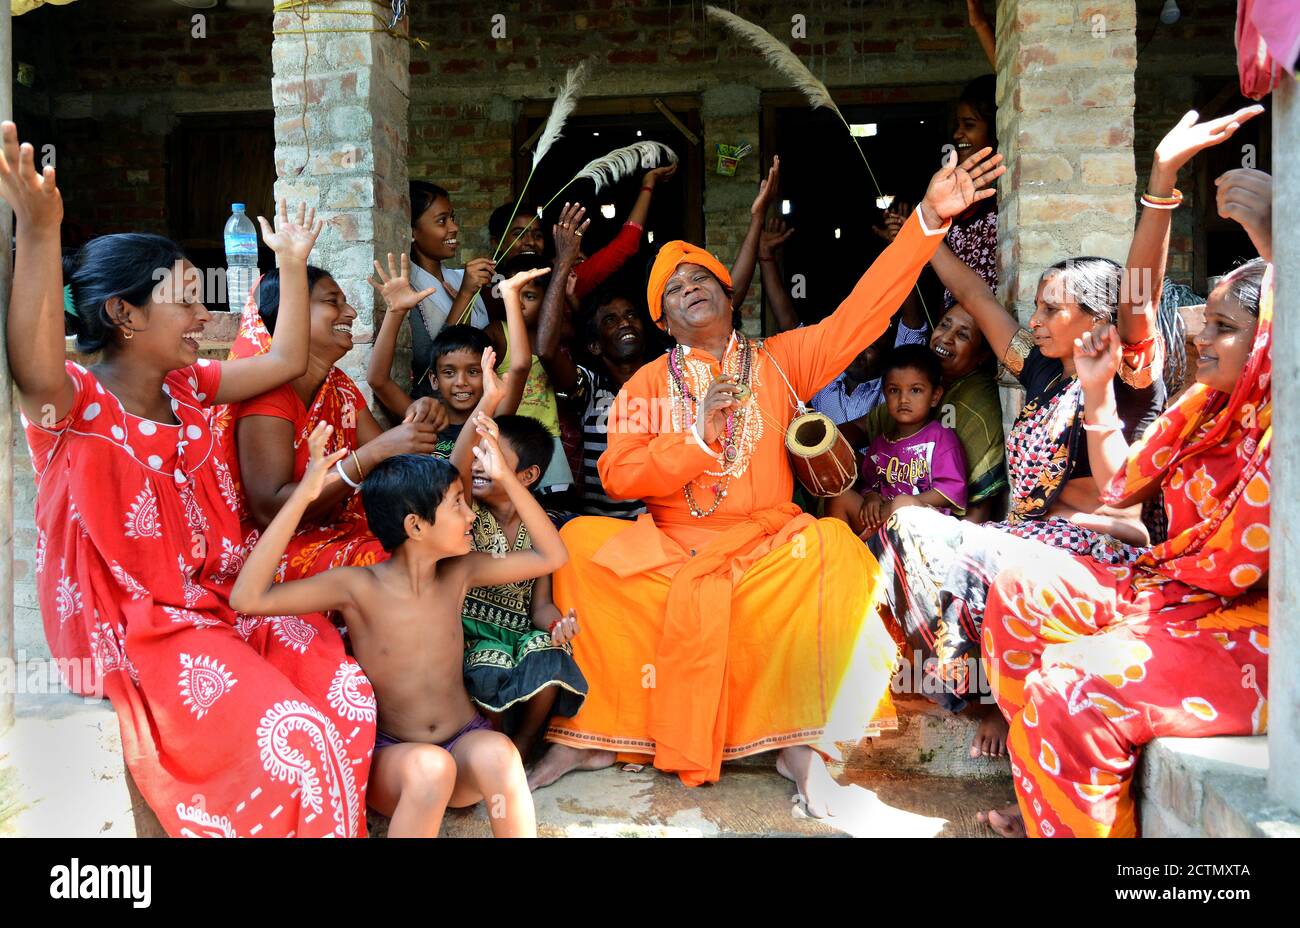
(1210,787)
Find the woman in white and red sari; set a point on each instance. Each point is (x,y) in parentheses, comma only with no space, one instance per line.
(227,729)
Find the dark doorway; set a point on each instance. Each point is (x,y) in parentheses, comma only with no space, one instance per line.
(597,128)
(832,199)
(215,160)
(1221,244)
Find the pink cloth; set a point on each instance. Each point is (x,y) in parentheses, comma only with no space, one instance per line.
(1278,23)
(1258,72)
(931,459)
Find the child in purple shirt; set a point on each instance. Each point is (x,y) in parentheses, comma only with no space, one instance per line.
(921,463)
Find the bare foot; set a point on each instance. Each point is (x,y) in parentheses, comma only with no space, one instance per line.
(807,769)
(561,759)
(991,736)
(1006,822)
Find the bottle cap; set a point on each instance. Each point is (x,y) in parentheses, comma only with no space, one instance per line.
(237,207)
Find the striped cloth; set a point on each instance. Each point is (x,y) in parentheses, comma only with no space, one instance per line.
(600,393)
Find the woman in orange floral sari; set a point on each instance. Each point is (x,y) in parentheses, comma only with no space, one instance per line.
(267,435)
(1088,661)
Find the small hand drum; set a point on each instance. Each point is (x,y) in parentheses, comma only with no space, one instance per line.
(822,458)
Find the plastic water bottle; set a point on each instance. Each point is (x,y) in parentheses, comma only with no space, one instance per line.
(241,257)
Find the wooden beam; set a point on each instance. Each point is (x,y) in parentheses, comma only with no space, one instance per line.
(677,123)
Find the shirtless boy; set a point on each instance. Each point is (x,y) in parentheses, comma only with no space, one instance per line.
(433,750)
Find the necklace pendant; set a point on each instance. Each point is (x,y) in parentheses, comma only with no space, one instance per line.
(730,453)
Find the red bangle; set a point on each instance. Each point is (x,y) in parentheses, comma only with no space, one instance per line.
(550,630)
(648,188)
(761,258)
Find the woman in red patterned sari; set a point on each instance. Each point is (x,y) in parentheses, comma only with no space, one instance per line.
(226,729)
(1090,661)
(268,433)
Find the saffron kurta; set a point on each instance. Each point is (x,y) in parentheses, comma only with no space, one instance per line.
(1089,662)
(705,640)
(231,725)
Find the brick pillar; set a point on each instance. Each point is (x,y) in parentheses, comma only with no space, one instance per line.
(1284,568)
(346,154)
(730,114)
(6,406)
(1065,127)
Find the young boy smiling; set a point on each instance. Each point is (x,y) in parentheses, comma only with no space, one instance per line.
(433,748)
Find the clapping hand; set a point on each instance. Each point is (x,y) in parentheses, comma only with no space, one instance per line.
(291,239)
(34,197)
(319,462)
(395,286)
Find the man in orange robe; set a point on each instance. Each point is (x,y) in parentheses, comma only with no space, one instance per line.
(725,621)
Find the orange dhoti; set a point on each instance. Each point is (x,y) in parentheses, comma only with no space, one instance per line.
(804,659)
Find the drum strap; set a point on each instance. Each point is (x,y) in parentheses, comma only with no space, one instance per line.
(798,403)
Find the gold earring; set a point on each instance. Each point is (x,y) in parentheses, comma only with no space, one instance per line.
(128,333)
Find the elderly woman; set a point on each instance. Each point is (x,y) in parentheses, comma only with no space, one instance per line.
(937,568)
(1088,662)
(726,622)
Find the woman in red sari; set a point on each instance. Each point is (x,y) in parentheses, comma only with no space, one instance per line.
(268,446)
(226,729)
(1089,661)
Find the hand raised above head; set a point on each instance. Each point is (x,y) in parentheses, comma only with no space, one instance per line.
(774,235)
(488,449)
(955,187)
(1190,135)
(516,283)
(568,232)
(654,175)
(767,188)
(291,239)
(1245,195)
(395,286)
(34,197)
(494,387)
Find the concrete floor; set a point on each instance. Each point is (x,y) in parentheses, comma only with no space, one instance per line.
(61,775)
(751,800)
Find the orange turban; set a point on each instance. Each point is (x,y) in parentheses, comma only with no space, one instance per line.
(670,257)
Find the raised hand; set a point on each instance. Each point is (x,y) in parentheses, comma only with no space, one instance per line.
(1189,136)
(291,239)
(494,388)
(395,286)
(488,450)
(767,189)
(516,283)
(1097,359)
(655,175)
(1246,196)
(774,235)
(565,629)
(894,218)
(428,410)
(319,463)
(568,232)
(956,187)
(34,197)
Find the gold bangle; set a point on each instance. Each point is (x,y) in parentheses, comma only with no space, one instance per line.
(361,474)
